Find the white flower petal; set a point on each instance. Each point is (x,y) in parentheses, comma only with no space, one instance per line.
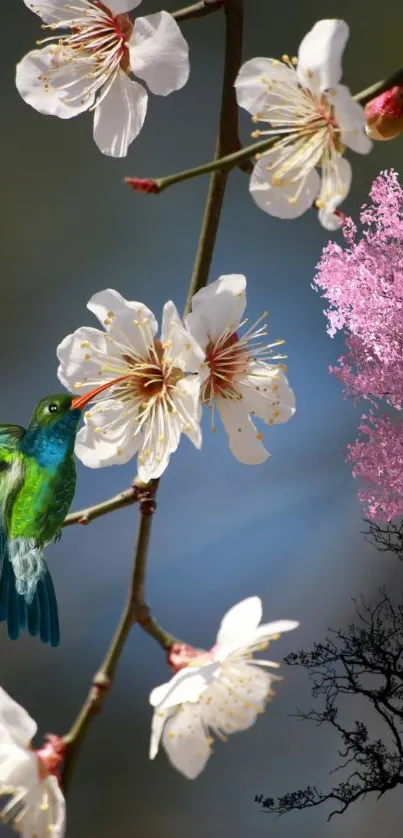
(128,322)
(118,7)
(81,355)
(280,200)
(186,399)
(41,820)
(184,348)
(268,394)
(159,53)
(320,54)
(329,220)
(350,118)
(239,621)
(41,83)
(185,741)
(186,685)
(157,725)
(252,83)
(16,720)
(120,116)
(114,445)
(217,307)
(267,630)
(336,182)
(244,441)
(51,11)
(235,700)
(18,766)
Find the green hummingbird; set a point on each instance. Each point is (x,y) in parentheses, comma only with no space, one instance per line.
(37,485)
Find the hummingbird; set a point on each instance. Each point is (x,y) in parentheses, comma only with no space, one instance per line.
(37,486)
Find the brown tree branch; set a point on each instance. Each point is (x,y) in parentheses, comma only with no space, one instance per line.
(84,516)
(197,10)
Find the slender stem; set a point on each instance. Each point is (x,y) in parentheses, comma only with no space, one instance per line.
(84,516)
(197,10)
(223,163)
(134,610)
(227,142)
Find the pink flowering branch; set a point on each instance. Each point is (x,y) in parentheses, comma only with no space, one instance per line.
(363,284)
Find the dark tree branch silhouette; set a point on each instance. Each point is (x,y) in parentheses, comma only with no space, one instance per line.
(387,538)
(364,660)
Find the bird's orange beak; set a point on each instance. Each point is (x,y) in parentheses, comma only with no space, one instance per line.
(81,401)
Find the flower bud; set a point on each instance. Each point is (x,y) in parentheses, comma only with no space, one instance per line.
(385,115)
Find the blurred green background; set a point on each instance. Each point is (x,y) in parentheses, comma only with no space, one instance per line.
(289,530)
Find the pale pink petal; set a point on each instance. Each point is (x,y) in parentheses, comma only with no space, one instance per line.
(256,83)
(120,116)
(185,741)
(41,79)
(350,118)
(159,53)
(240,620)
(320,53)
(244,441)
(131,324)
(16,720)
(287,200)
(118,7)
(217,308)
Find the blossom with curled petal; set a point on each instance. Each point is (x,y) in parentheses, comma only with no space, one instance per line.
(314,118)
(221,691)
(159,400)
(89,68)
(238,376)
(33,802)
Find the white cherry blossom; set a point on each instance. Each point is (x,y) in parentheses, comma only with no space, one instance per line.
(221,691)
(89,67)
(159,398)
(33,803)
(313,116)
(239,376)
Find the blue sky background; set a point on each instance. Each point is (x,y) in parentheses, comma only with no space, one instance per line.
(289,530)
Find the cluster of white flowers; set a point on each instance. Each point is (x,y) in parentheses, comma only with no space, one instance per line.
(311,115)
(162,383)
(221,691)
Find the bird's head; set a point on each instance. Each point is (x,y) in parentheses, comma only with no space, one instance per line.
(65,407)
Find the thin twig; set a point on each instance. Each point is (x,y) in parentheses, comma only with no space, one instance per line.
(134,610)
(241,157)
(227,142)
(197,10)
(84,516)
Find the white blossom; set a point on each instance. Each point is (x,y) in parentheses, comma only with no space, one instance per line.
(159,398)
(314,117)
(33,802)
(239,376)
(89,67)
(221,691)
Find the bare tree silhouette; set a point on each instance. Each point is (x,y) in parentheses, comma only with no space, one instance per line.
(386,539)
(364,660)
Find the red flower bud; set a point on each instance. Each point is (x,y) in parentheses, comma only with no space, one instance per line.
(385,115)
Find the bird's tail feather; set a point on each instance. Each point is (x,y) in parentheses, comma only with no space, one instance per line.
(39,615)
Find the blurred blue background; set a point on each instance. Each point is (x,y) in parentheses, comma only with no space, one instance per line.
(289,530)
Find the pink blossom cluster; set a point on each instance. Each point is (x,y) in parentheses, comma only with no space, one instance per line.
(378,461)
(363,282)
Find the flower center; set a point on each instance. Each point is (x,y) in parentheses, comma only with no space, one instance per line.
(152,378)
(50,756)
(97,38)
(227,358)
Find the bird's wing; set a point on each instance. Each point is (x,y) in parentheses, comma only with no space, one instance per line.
(10,435)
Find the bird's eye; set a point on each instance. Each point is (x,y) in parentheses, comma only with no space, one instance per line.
(53,408)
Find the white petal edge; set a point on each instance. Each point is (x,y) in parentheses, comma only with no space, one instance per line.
(46,95)
(244,442)
(19,724)
(51,11)
(275,200)
(185,741)
(320,53)
(159,53)
(120,116)
(186,685)
(240,620)
(252,91)
(217,307)
(118,7)
(184,348)
(350,117)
